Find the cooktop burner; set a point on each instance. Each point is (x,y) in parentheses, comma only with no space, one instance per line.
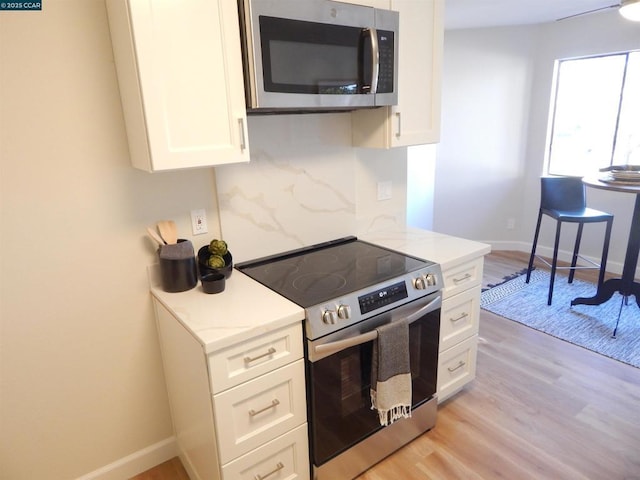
(315,274)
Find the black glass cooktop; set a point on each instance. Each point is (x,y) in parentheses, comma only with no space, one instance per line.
(322,272)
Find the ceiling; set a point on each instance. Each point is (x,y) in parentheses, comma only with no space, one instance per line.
(493,13)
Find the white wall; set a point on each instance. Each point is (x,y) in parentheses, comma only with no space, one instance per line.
(421,171)
(496,91)
(481,157)
(81,382)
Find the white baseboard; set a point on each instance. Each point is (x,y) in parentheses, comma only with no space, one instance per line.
(136,463)
(509,245)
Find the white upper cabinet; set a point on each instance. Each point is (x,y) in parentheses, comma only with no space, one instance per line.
(179,69)
(416,118)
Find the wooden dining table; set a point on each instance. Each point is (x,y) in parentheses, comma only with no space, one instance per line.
(626,284)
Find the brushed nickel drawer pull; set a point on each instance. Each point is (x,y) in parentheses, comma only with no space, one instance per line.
(467,276)
(271,351)
(274,403)
(462,315)
(460,365)
(279,467)
(243,141)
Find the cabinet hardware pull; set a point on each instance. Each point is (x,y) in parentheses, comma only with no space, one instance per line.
(467,276)
(243,143)
(274,403)
(460,365)
(271,351)
(399,131)
(460,317)
(279,466)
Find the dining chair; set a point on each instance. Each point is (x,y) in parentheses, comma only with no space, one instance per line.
(564,199)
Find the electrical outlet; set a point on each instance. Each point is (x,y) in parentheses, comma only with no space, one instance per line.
(199,222)
(511,223)
(384,190)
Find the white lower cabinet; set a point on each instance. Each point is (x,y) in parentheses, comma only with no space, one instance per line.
(241,362)
(457,367)
(256,411)
(462,277)
(459,322)
(240,411)
(459,318)
(282,458)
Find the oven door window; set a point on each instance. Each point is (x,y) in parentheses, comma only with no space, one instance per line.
(340,389)
(314,58)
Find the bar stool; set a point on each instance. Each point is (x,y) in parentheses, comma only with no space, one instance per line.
(564,199)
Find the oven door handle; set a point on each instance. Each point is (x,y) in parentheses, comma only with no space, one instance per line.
(339,345)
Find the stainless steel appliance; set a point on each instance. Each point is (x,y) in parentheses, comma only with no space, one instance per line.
(318,55)
(348,288)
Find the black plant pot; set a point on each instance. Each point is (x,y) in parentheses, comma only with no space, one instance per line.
(205,269)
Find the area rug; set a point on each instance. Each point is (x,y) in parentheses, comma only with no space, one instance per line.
(584,325)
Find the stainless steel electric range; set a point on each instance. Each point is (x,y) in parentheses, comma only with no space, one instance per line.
(348,288)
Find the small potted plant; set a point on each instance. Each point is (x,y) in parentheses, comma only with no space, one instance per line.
(215,264)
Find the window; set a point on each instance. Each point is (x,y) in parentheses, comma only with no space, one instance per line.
(596,114)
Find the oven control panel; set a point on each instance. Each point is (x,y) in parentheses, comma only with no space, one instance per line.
(383,297)
(341,312)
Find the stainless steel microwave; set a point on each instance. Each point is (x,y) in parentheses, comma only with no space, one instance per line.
(318,55)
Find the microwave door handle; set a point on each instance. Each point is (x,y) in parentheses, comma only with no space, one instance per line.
(338,346)
(375,59)
(372,35)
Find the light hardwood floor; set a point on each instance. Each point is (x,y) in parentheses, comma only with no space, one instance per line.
(539,408)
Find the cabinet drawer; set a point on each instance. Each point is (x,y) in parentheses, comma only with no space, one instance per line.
(457,367)
(283,458)
(462,277)
(239,363)
(459,318)
(260,410)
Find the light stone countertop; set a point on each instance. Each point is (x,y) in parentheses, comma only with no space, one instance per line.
(244,310)
(247,309)
(446,250)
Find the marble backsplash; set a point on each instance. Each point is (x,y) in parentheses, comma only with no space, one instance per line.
(306,184)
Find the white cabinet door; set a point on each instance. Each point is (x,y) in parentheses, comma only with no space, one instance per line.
(179,69)
(285,458)
(416,118)
(462,277)
(257,411)
(457,367)
(459,318)
(242,362)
